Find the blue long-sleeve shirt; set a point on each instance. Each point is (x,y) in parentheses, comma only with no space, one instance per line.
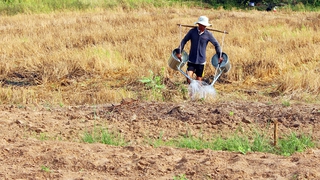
(197,53)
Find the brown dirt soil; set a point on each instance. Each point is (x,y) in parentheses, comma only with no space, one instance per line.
(37,137)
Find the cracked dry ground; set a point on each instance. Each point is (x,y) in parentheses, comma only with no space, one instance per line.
(34,137)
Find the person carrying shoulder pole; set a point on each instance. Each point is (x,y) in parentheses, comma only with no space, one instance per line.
(199,37)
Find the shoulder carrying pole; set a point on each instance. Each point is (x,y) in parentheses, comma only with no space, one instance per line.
(225,32)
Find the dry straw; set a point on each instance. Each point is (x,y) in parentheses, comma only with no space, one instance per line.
(91,57)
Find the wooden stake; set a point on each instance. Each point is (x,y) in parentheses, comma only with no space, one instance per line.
(225,32)
(275,134)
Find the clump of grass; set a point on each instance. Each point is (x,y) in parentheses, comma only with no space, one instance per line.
(233,143)
(259,142)
(43,137)
(180,177)
(104,136)
(293,143)
(45,168)
(286,103)
(193,143)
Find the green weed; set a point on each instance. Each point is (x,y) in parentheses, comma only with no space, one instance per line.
(258,142)
(180,177)
(293,143)
(45,168)
(104,136)
(154,83)
(286,103)
(43,136)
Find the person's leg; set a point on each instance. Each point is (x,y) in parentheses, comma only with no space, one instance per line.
(190,71)
(190,74)
(199,71)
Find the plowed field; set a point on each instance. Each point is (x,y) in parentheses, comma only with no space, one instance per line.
(46,143)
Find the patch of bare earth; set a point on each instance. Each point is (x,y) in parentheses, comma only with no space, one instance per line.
(33,139)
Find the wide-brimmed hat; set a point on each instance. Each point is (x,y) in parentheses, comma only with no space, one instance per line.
(203,20)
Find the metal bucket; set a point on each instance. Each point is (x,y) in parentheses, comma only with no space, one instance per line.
(225,64)
(251,4)
(174,62)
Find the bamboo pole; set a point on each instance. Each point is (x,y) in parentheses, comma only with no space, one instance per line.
(225,32)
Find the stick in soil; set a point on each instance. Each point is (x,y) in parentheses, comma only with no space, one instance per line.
(275,135)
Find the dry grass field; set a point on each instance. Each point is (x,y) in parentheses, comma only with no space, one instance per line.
(97,57)
(66,73)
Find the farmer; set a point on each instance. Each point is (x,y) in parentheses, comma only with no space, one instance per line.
(199,37)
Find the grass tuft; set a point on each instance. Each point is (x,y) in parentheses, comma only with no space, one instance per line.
(104,136)
(45,168)
(241,143)
(294,143)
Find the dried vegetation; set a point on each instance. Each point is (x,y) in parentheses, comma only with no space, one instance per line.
(99,56)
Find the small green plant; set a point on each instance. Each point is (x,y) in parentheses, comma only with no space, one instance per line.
(234,143)
(45,168)
(286,103)
(231,113)
(180,177)
(20,106)
(261,143)
(104,136)
(43,136)
(157,142)
(184,90)
(160,142)
(294,176)
(154,82)
(61,104)
(193,143)
(293,143)
(89,137)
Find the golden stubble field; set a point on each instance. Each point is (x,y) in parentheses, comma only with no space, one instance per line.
(64,74)
(75,58)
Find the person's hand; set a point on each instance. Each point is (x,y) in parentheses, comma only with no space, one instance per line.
(178,56)
(220,60)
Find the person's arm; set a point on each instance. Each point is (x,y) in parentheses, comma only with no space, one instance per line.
(183,42)
(217,46)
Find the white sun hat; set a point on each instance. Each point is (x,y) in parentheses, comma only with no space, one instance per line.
(203,20)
